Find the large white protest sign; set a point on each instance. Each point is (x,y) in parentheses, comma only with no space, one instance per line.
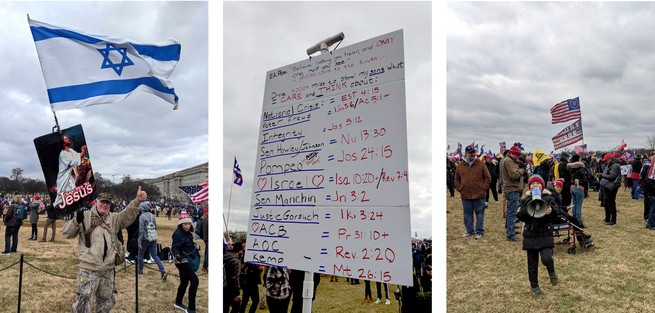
(331,191)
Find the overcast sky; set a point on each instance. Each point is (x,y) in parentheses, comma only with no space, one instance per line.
(261,36)
(508,63)
(141,136)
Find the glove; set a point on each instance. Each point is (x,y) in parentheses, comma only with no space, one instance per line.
(79,216)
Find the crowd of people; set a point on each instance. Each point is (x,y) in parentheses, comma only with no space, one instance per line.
(563,182)
(282,287)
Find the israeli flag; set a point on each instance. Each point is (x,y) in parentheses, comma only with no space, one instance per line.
(81,69)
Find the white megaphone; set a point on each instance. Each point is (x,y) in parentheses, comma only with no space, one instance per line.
(537,206)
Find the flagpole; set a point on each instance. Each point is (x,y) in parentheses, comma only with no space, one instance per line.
(229,203)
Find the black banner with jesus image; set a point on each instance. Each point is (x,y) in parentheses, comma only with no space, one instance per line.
(67,169)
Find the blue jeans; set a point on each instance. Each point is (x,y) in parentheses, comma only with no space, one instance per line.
(151,247)
(651,213)
(11,232)
(577,195)
(635,189)
(510,218)
(471,206)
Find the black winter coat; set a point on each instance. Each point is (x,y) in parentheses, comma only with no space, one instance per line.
(537,232)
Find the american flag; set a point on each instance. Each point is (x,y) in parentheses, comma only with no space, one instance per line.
(503,146)
(238,179)
(568,136)
(622,146)
(580,149)
(567,110)
(197,193)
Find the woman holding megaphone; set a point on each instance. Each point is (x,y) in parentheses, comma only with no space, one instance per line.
(536,210)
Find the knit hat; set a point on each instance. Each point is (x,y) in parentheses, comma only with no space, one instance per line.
(607,156)
(537,178)
(184,218)
(514,150)
(558,182)
(563,155)
(236,247)
(469,149)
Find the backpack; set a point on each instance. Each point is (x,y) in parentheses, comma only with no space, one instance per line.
(165,254)
(21,212)
(151,232)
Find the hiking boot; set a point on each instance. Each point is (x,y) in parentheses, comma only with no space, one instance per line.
(180,306)
(553,278)
(164,275)
(537,292)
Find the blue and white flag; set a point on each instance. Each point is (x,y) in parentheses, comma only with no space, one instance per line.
(82,69)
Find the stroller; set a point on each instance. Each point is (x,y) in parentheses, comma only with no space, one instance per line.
(570,227)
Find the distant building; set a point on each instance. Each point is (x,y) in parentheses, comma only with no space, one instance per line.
(169,183)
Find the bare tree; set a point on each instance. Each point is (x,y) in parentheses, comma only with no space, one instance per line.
(16,173)
(650,142)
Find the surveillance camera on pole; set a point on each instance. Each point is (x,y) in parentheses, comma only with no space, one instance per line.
(325,44)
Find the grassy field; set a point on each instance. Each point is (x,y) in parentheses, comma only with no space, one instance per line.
(339,297)
(490,275)
(43,292)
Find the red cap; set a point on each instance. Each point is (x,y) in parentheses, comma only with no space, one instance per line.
(559,182)
(607,157)
(36,197)
(488,157)
(617,155)
(515,151)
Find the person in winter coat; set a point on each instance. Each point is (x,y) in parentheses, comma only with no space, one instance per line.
(34,216)
(493,171)
(182,248)
(564,172)
(278,289)
(612,174)
(232,283)
(145,243)
(250,280)
(472,180)
(578,182)
(98,250)
(538,235)
(50,222)
(13,224)
(512,171)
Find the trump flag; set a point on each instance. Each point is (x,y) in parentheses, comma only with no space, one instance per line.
(81,69)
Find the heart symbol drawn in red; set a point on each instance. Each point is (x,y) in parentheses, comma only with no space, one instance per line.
(255,226)
(317,180)
(261,183)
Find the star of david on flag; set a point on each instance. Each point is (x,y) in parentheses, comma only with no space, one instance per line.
(108,63)
(82,69)
(197,193)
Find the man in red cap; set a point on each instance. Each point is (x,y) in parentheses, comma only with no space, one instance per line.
(471,181)
(512,178)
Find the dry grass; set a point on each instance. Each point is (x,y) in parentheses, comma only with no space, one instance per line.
(490,275)
(42,292)
(339,297)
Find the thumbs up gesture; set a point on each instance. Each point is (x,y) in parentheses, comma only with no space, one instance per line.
(141,195)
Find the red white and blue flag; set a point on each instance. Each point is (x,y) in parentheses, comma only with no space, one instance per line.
(568,136)
(580,149)
(567,110)
(197,193)
(622,146)
(238,179)
(503,147)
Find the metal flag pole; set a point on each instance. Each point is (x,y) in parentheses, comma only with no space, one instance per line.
(308,283)
(229,203)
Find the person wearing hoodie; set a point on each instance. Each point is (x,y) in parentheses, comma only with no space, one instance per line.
(184,248)
(98,250)
(148,238)
(538,234)
(612,175)
(34,216)
(578,182)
